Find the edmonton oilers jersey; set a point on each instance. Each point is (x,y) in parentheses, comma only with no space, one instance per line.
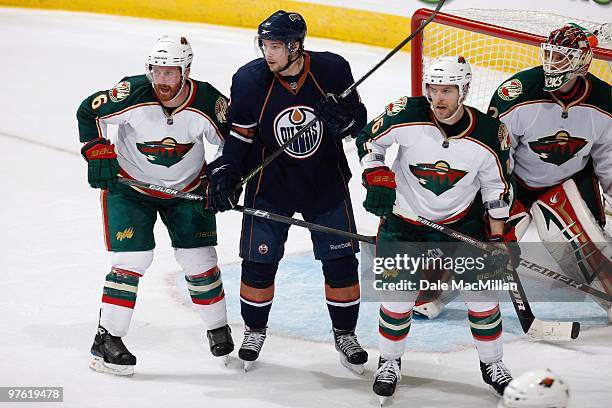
(266,109)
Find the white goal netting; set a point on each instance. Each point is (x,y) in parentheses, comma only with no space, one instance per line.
(494,59)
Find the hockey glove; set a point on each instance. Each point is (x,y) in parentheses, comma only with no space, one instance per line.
(507,253)
(222,179)
(380,183)
(203,207)
(102,164)
(337,113)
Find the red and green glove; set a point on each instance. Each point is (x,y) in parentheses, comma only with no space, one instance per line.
(102,164)
(380,183)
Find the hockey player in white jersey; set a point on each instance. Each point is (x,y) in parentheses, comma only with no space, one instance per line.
(558,115)
(451,167)
(163,118)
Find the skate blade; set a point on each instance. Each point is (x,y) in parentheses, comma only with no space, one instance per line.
(354,368)
(98,364)
(247,365)
(494,391)
(383,400)
(225,360)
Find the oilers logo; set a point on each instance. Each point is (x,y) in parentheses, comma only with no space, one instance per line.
(288,122)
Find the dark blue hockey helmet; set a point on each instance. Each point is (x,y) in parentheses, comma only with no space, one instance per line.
(283,26)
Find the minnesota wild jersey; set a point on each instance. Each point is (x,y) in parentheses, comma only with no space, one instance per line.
(154,144)
(437,182)
(554,135)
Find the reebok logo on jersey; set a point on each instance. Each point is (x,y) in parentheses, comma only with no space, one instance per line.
(223,167)
(166,152)
(289,121)
(509,90)
(558,148)
(438,177)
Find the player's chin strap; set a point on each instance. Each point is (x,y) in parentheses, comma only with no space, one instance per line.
(290,61)
(372,239)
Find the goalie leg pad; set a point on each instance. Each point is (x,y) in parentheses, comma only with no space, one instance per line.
(573,237)
(257,292)
(517,223)
(120,289)
(342,292)
(204,284)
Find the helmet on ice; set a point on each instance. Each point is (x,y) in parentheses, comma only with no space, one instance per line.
(536,389)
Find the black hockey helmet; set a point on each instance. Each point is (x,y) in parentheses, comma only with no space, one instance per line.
(283,26)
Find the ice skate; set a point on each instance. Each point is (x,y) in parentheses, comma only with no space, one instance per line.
(386,378)
(496,375)
(109,355)
(251,346)
(220,342)
(352,355)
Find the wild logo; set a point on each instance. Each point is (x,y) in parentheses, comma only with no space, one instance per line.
(127,233)
(396,107)
(438,177)
(547,382)
(119,91)
(166,152)
(558,148)
(221,109)
(510,89)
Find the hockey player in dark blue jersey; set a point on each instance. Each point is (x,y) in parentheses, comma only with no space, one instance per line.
(272,98)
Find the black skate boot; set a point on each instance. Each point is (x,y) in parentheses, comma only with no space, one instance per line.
(220,341)
(251,346)
(386,378)
(110,354)
(352,356)
(496,375)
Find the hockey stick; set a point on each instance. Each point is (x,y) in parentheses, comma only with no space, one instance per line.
(363,238)
(535,328)
(251,211)
(344,94)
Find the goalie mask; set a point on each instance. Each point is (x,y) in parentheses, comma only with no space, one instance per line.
(565,55)
(536,389)
(169,51)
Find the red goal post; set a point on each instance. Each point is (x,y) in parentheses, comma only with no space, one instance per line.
(497,43)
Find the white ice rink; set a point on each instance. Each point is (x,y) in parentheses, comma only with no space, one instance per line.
(54,260)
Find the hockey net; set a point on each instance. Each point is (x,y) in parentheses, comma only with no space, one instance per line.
(497,44)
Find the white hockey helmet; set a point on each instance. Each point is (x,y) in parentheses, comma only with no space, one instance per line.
(536,389)
(171,52)
(453,70)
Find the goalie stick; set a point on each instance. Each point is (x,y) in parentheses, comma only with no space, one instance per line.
(344,94)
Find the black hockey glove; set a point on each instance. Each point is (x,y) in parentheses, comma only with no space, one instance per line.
(222,178)
(102,164)
(508,252)
(337,113)
(203,207)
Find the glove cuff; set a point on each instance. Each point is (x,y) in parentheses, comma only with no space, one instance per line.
(379,176)
(98,149)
